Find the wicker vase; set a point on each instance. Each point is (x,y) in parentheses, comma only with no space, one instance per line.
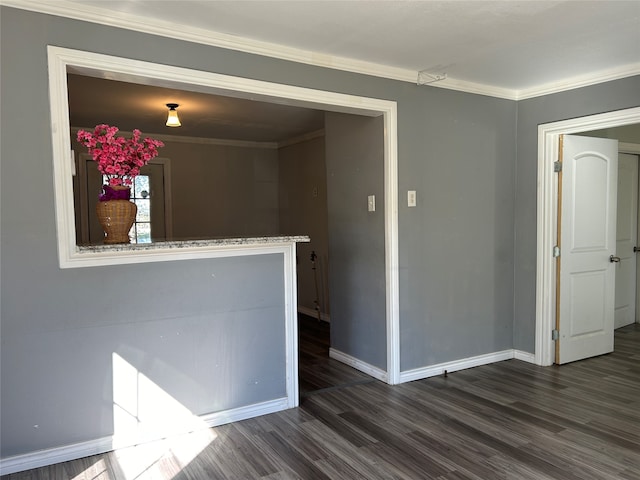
(116,218)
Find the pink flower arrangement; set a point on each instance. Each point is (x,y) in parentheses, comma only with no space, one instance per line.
(119,158)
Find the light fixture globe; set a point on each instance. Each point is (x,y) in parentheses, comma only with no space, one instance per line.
(172,118)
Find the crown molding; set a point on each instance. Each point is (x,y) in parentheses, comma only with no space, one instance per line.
(594,78)
(114,18)
(476,88)
(194,140)
(301,138)
(220,141)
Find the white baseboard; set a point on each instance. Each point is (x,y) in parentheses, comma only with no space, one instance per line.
(439,369)
(243,413)
(51,456)
(310,312)
(433,370)
(524,356)
(41,458)
(364,367)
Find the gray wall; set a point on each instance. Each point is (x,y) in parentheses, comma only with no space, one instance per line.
(230,191)
(187,325)
(627,133)
(616,95)
(456,248)
(355,170)
(219,190)
(303,211)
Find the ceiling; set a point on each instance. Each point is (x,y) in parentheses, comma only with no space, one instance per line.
(514,45)
(513,49)
(93,101)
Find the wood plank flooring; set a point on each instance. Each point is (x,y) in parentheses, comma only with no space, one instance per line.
(318,372)
(509,420)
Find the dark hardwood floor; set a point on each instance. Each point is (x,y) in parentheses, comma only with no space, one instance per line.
(317,372)
(508,420)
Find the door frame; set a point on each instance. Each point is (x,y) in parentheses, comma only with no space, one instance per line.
(546,228)
(634,149)
(636,157)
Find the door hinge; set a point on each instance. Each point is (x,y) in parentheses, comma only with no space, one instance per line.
(557,167)
(555,334)
(556,251)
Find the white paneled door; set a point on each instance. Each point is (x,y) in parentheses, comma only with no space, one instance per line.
(587,239)
(626,240)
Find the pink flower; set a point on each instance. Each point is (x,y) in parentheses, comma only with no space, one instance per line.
(118,158)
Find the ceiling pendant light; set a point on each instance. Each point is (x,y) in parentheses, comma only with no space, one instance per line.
(172,118)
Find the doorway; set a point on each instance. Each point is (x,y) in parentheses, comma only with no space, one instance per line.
(64,61)
(626,311)
(628,222)
(318,372)
(548,140)
(354,169)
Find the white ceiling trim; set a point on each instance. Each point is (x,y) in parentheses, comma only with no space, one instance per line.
(477,88)
(221,141)
(194,140)
(106,16)
(118,19)
(581,81)
(301,138)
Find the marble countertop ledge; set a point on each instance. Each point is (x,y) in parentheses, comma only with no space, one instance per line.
(194,243)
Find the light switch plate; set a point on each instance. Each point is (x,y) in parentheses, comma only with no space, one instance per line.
(411,198)
(371,203)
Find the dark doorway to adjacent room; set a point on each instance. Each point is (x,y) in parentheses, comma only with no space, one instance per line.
(317,372)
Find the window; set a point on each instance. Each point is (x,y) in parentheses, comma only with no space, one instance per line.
(140,195)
